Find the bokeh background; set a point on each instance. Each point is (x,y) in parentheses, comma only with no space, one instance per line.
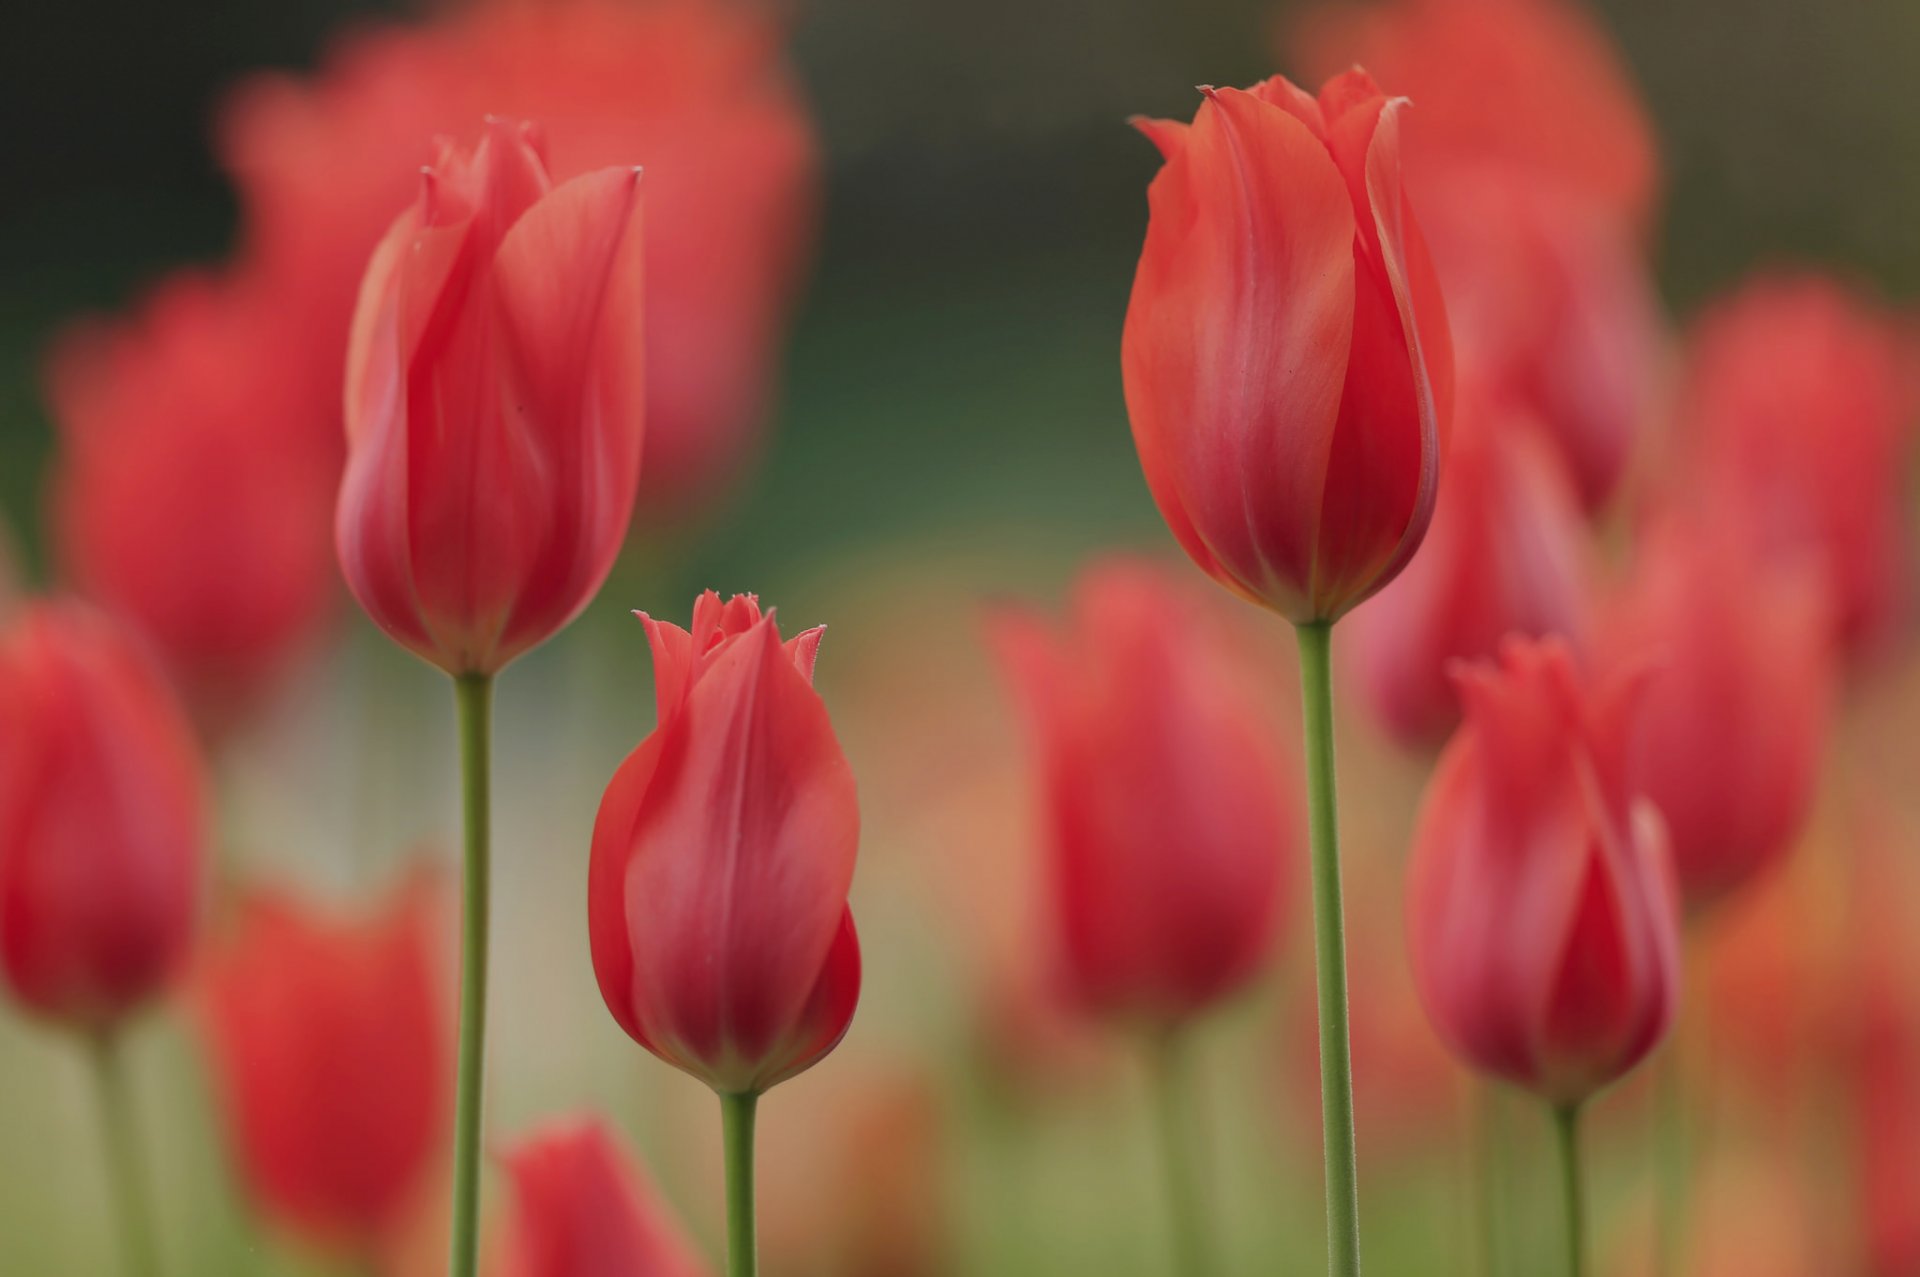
(949,430)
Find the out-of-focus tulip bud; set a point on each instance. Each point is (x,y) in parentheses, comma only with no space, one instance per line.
(1167,822)
(582,1207)
(1286,358)
(1799,402)
(328,1041)
(696,91)
(103,818)
(493,404)
(1733,720)
(190,494)
(1508,553)
(1542,912)
(722,857)
(1535,170)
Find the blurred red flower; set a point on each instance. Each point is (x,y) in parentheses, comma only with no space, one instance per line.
(493,404)
(583,1207)
(327,1039)
(722,857)
(695,91)
(1286,358)
(1542,912)
(1168,824)
(190,493)
(103,819)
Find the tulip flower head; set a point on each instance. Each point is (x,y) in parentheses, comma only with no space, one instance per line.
(328,1040)
(1286,358)
(582,1207)
(1543,916)
(1167,825)
(103,818)
(722,857)
(494,404)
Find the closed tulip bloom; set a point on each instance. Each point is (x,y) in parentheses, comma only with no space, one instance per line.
(1166,818)
(1543,918)
(493,404)
(327,1038)
(189,494)
(1735,712)
(1508,553)
(582,1207)
(1286,357)
(103,819)
(722,857)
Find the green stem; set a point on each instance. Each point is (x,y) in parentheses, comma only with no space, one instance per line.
(736,1126)
(1490,1143)
(1178,1129)
(1566,1124)
(1330,955)
(473,694)
(125,1164)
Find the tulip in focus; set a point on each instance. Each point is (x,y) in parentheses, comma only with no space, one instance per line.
(1508,553)
(1286,357)
(1735,711)
(493,404)
(103,820)
(722,856)
(327,1038)
(1168,823)
(582,1207)
(190,495)
(1543,917)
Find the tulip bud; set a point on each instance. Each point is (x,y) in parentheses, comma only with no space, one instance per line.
(1286,358)
(1734,715)
(722,857)
(1168,824)
(493,404)
(1542,912)
(582,1207)
(328,1042)
(1508,553)
(102,819)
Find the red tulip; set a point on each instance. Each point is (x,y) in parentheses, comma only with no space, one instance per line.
(1734,716)
(722,856)
(1799,404)
(1543,918)
(102,819)
(584,1208)
(493,404)
(1508,552)
(1286,355)
(696,91)
(189,494)
(326,1036)
(1167,826)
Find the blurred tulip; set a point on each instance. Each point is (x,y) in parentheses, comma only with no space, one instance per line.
(722,856)
(1543,917)
(1508,553)
(1799,408)
(1733,721)
(103,819)
(189,495)
(1287,365)
(1535,169)
(327,1038)
(696,91)
(583,1207)
(493,404)
(1168,824)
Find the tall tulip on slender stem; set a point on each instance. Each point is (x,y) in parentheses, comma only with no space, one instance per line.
(494,407)
(1289,377)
